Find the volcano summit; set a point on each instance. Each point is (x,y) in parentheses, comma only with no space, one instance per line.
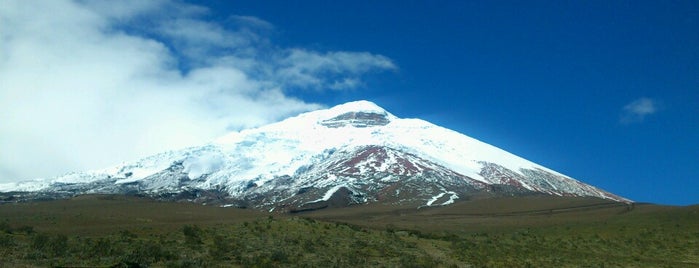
(352,153)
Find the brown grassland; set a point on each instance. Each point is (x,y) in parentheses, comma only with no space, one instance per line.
(533,231)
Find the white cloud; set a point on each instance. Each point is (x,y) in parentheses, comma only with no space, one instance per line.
(637,110)
(312,69)
(88,84)
(252,21)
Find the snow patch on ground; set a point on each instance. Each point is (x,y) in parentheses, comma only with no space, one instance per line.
(434,198)
(451,200)
(328,194)
(390,178)
(332,191)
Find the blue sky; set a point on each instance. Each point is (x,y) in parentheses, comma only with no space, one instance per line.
(606,92)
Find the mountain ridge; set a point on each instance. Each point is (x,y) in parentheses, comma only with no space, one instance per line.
(356,152)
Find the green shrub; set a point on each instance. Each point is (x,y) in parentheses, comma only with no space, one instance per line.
(6,241)
(221,248)
(45,245)
(25,229)
(5,227)
(58,245)
(145,253)
(192,235)
(39,242)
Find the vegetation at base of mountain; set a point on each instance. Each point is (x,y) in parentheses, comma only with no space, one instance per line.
(647,236)
(267,242)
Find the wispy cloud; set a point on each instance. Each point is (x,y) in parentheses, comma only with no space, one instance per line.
(637,110)
(335,70)
(86,84)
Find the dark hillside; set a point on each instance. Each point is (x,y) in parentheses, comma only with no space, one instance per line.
(533,231)
(96,214)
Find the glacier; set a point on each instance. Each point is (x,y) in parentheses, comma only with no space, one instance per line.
(307,158)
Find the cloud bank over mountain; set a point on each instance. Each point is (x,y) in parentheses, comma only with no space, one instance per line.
(86,84)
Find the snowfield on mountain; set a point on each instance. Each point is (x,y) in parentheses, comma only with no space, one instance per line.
(349,154)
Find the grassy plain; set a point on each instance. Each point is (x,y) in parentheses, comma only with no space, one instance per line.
(534,231)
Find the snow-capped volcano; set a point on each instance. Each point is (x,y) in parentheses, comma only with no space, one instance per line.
(352,153)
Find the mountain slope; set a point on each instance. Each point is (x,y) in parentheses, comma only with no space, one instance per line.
(352,153)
